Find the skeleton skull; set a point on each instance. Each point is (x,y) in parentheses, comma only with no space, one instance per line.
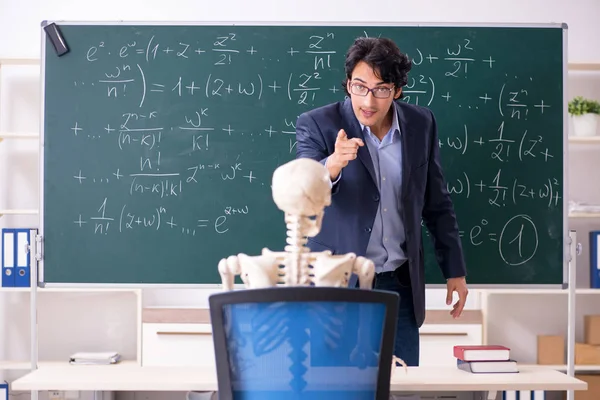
(302,187)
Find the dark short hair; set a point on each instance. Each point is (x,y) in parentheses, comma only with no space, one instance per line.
(382,54)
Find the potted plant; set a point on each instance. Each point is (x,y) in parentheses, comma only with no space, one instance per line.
(585,115)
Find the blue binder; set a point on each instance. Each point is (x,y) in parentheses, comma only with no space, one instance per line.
(594,260)
(22,258)
(8,258)
(3,391)
(16,260)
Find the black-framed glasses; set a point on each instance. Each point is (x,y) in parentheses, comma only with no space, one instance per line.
(379,92)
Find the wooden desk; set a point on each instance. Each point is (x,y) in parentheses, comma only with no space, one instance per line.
(131,377)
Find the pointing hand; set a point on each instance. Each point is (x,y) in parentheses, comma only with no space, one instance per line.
(346,149)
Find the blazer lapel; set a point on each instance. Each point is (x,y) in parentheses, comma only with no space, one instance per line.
(352,128)
(408,135)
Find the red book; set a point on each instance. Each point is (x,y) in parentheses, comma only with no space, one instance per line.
(482,353)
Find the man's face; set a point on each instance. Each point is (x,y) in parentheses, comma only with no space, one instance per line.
(370,110)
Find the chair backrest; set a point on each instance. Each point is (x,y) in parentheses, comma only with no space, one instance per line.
(304,343)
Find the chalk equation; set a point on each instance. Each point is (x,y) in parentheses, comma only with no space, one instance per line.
(198,134)
(303,89)
(133,73)
(516,241)
(103,220)
(500,193)
(521,145)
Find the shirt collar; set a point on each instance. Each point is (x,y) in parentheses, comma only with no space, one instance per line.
(395,128)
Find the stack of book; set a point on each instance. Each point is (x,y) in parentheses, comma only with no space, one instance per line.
(484,359)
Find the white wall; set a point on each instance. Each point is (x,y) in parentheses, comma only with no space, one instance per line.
(19,111)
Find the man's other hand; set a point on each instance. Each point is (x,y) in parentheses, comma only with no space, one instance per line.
(458,285)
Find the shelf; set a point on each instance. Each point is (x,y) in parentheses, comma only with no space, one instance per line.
(19,61)
(70,290)
(15,365)
(584,215)
(14,289)
(586,291)
(584,139)
(537,291)
(584,66)
(87,290)
(26,365)
(18,212)
(54,364)
(16,135)
(578,368)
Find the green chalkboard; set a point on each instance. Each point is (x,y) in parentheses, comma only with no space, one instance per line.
(160,141)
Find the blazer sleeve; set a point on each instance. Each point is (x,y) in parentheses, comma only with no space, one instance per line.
(439,217)
(310,143)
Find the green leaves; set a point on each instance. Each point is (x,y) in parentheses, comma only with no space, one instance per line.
(580,106)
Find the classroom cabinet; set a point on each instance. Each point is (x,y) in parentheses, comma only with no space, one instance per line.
(183,337)
(177,344)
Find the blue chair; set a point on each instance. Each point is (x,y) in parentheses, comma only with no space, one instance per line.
(304,343)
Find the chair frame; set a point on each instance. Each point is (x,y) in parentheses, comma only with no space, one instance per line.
(303,294)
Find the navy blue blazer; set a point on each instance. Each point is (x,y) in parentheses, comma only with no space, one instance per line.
(348,221)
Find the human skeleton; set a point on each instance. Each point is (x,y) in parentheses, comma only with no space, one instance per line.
(301,189)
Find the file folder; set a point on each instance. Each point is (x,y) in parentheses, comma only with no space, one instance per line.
(539,395)
(594,259)
(4,391)
(524,395)
(22,259)
(8,258)
(509,395)
(16,257)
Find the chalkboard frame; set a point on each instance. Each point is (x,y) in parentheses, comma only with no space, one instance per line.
(566,239)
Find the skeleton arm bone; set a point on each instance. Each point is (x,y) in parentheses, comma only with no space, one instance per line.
(399,361)
(365,269)
(256,272)
(228,268)
(331,270)
(259,271)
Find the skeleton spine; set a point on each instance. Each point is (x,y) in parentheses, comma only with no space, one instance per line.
(297,226)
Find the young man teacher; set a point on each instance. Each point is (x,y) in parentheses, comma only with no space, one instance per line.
(383,160)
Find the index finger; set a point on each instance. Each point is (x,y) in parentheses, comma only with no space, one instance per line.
(358,141)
